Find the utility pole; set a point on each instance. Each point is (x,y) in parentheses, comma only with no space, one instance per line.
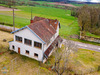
(13,20)
(31,21)
(31,13)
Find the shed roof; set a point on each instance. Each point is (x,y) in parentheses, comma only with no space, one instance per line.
(50,48)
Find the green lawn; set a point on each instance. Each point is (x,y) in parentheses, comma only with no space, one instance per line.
(22,18)
(69,24)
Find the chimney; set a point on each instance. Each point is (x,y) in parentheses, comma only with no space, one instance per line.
(31,21)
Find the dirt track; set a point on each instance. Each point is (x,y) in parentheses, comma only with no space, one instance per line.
(70,5)
(85,46)
(6,9)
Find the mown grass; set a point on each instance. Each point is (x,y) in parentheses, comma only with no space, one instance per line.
(69,24)
(22,18)
(19,21)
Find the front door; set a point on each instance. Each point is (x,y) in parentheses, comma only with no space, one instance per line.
(18,50)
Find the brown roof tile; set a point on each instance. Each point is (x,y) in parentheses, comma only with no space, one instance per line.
(54,23)
(43,29)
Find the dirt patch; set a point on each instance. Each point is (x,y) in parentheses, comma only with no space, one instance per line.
(70,5)
(7,9)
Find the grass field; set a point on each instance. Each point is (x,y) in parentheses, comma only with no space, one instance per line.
(88,60)
(83,62)
(22,18)
(69,24)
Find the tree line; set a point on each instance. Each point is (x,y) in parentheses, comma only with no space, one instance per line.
(89,19)
(11,3)
(51,0)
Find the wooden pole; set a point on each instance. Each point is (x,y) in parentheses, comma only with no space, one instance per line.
(31,13)
(13,20)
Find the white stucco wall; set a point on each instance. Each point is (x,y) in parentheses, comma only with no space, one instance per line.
(26,33)
(23,47)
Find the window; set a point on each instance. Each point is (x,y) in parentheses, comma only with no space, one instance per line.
(19,39)
(27,52)
(35,54)
(27,41)
(13,47)
(37,44)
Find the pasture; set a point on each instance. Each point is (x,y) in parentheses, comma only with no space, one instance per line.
(69,25)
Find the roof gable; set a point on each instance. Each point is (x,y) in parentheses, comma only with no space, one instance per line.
(30,30)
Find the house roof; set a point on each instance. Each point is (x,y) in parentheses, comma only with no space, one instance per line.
(44,28)
(50,48)
(52,22)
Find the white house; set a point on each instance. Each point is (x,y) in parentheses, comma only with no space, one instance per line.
(38,39)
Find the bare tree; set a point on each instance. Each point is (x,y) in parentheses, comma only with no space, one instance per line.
(62,57)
